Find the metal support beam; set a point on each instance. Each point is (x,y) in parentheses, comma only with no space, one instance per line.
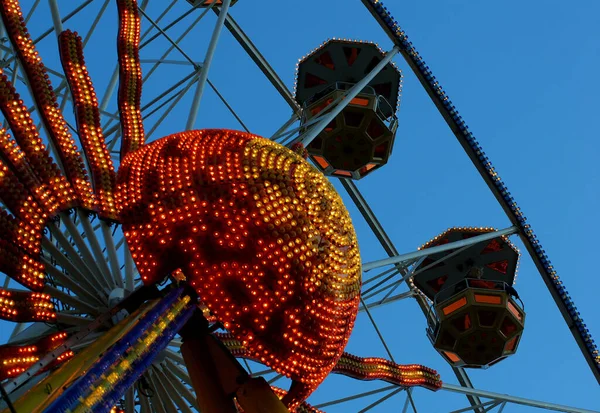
(129,270)
(227,105)
(176,357)
(287,137)
(72,320)
(130,401)
(376,327)
(31,11)
(179,372)
(465,381)
(381,400)
(167,27)
(378,276)
(409,274)
(356,396)
(212,46)
(72,301)
(7,400)
(440,248)
(71,261)
(275,378)
(262,372)
(58,27)
(96,249)
(144,403)
(86,254)
(88,340)
(99,15)
(370,292)
(169,90)
(389,300)
(166,54)
(116,128)
(70,283)
(163,61)
(262,63)
(175,379)
(174,103)
(492,407)
(471,408)
(112,254)
(406,403)
(293,119)
(163,380)
(155,24)
(16,331)
(516,400)
(160,390)
(369,216)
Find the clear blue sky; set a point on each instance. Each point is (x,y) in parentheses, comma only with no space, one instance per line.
(524,77)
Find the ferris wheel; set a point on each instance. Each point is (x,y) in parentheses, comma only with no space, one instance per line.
(216,270)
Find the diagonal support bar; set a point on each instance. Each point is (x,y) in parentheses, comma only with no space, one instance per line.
(212,46)
(262,63)
(434,250)
(516,400)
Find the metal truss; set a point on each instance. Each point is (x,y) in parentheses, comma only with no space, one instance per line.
(411,256)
